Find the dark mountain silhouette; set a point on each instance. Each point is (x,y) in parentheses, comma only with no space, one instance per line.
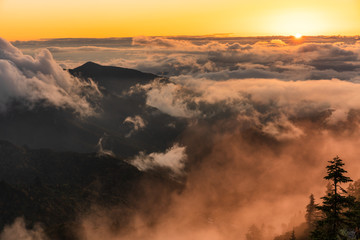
(54,188)
(115,79)
(44,126)
(97,71)
(20,165)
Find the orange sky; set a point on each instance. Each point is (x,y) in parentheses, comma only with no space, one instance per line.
(24,19)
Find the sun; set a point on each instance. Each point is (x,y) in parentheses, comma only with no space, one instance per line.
(298,36)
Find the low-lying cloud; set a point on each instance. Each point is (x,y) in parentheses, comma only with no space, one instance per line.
(173,159)
(270,104)
(18,231)
(40,78)
(254,131)
(137,123)
(263,118)
(285,58)
(265,58)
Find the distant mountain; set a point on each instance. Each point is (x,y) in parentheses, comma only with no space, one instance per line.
(44,126)
(115,79)
(97,71)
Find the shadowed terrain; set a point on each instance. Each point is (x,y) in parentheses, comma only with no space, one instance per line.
(55,188)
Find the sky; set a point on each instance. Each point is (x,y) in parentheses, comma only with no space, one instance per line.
(36,19)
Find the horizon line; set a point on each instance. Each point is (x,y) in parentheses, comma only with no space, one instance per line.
(216,35)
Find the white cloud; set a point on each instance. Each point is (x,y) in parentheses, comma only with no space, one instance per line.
(173,159)
(137,122)
(41,78)
(100,147)
(269,103)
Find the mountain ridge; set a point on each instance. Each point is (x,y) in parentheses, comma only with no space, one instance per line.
(55,188)
(111,77)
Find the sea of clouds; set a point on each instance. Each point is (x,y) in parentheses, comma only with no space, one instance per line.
(264,116)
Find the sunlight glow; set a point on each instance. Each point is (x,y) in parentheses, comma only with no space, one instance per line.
(298,35)
(305,21)
(24,19)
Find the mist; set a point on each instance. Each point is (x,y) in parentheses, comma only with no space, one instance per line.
(256,147)
(263,117)
(239,176)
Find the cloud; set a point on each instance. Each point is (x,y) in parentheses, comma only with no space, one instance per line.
(270,104)
(81,49)
(18,231)
(41,78)
(237,177)
(259,115)
(159,42)
(187,45)
(273,58)
(101,151)
(249,142)
(137,122)
(173,159)
(218,58)
(263,117)
(168,98)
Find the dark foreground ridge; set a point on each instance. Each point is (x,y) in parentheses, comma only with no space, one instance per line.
(55,188)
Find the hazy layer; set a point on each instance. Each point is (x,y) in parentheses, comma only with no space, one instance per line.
(263,118)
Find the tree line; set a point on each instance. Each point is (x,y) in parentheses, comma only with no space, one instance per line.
(336,218)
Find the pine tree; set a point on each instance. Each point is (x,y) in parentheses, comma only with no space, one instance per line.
(311,213)
(335,204)
(292,237)
(354,190)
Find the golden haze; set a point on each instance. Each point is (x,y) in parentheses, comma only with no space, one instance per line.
(23,19)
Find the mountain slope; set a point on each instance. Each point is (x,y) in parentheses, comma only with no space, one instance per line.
(55,188)
(44,126)
(115,79)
